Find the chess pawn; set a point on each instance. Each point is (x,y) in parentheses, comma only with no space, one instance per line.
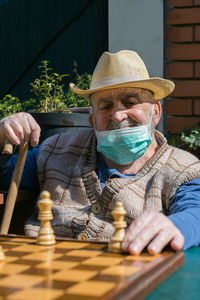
(46,234)
(119,225)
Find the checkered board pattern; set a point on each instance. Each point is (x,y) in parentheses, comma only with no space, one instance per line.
(71,270)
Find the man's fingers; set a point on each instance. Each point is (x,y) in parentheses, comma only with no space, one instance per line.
(21,126)
(164,237)
(161,240)
(10,134)
(142,239)
(154,230)
(34,139)
(135,228)
(26,129)
(35,131)
(177,242)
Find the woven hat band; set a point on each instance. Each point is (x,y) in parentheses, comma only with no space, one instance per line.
(114,80)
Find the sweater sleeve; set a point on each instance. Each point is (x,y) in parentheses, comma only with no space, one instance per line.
(185,212)
(29,177)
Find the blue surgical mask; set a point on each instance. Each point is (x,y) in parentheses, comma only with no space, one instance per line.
(125,145)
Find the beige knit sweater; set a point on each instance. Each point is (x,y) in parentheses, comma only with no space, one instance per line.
(66,168)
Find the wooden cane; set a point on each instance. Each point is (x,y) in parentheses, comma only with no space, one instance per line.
(8,147)
(14,185)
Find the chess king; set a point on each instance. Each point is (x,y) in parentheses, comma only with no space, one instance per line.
(121,158)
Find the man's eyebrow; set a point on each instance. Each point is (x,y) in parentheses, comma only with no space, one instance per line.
(103,99)
(134,95)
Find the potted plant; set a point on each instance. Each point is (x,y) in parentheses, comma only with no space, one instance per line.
(54,108)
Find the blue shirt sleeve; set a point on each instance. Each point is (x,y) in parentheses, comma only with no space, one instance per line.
(29,177)
(185,212)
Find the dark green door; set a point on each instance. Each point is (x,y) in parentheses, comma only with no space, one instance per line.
(60,31)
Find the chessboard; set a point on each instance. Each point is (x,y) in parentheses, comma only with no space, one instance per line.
(79,270)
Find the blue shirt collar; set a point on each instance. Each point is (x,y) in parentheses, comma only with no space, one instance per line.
(104,173)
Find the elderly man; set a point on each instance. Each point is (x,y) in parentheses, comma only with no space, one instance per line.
(123,158)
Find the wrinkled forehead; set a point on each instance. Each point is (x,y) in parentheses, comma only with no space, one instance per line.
(142,95)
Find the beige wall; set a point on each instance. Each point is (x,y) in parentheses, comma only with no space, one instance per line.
(138,25)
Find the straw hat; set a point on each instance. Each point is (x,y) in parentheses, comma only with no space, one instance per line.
(124,69)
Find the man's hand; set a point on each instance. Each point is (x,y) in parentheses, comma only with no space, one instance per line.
(152,229)
(18,127)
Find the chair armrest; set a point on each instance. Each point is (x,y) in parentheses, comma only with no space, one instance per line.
(1,198)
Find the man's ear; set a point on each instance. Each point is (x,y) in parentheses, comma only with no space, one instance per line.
(91,119)
(157,112)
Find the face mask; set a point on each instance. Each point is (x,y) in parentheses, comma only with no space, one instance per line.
(125,145)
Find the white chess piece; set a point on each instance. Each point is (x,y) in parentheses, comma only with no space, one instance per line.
(120,225)
(46,234)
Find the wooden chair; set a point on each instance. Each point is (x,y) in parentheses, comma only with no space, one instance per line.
(24,207)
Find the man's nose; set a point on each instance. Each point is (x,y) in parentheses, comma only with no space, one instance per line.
(119,114)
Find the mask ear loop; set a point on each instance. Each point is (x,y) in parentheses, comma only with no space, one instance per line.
(150,121)
(151,116)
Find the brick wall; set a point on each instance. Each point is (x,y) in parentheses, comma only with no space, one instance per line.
(182,57)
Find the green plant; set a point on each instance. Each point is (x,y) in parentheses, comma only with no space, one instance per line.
(9,105)
(49,93)
(83,82)
(48,89)
(192,138)
(188,139)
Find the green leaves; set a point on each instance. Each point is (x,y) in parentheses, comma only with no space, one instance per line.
(192,138)
(188,139)
(83,82)
(49,93)
(9,105)
(48,89)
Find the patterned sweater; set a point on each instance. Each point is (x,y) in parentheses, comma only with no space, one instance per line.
(66,168)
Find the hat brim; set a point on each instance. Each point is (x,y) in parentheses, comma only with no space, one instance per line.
(159,86)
